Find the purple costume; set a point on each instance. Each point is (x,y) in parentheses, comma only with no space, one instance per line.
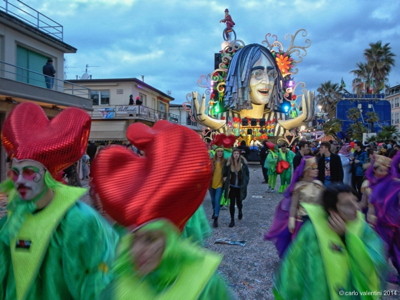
(279,233)
(385,198)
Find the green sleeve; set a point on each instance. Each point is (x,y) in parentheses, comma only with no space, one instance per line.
(216,289)
(4,263)
(301,273)
(367,260)
(88,252)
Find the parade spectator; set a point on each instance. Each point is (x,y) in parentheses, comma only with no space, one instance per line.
(346,159)
(286,155)
(138,101)
(244,150)
(236,177)
(359,159)
(304,149)
(289,214)
(52,245)
(336,247)
(131,101)
(216,189)
(330,168)
(49,71)
(263,156)
(85,166)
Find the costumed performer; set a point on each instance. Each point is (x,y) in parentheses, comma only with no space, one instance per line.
(285,154)
(52,246)
(289,213)
(384,207)
(335,254)
(270,165)
(153,204)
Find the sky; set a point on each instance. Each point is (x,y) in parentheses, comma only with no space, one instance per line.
(172,42)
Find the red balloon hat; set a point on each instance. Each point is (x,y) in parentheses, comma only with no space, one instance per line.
(168,182)
(58,143)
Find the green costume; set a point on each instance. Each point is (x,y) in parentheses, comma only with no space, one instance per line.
(270,165)
(321,265)
(63,251)
(286,175)
(185,272)
(197,228)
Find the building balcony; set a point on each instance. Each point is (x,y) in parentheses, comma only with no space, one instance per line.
(127,112)
(19,84)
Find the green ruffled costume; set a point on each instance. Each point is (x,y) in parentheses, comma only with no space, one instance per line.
(319,265)
(185,272)
(197,228)
(70,254)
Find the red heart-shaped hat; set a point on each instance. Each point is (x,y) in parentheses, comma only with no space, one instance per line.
(58,143)
(169,181)
(223,140)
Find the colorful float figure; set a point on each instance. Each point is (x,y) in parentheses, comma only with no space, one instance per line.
(252,93)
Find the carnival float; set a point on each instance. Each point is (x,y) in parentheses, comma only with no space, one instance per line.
(252,93)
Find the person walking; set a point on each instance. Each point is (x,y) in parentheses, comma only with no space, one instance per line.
(304,149)
(359,159)
(330,168)
(218,163)
(270,165)
(263,156)
(236,177)
(49,71)
(286,155)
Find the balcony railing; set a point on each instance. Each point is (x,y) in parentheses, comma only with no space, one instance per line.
(132,112)
(34,18)
(30,77)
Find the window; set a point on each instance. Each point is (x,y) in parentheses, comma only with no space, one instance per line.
(143,98)
(30,66)
(100,97)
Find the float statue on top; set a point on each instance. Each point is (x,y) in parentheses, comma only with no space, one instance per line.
(252,92)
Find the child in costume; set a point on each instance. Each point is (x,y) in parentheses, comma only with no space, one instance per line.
(236,177)
(52,246)
(335,255)
(270,165)
(289,214)
(155,198)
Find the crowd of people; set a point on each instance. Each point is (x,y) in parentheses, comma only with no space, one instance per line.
(338,219)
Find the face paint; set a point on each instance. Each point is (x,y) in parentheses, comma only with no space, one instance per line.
(28,178)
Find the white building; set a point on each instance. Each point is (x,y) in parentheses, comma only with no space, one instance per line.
(112,113)
(393,96)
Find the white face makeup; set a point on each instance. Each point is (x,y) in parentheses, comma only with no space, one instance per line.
(262,80)
(28,177)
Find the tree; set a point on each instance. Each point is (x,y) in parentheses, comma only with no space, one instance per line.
(380,60)
(332,127)
(372,75)
(387,133)
(362,82)
(357,128)
(371,118)
(329,94)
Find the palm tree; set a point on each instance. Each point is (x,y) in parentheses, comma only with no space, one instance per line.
(380,60)
(329,94)
(332,127)
(371,118)
(362,82)
(387,132)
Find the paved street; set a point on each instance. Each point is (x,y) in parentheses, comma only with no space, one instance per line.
(248,269)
